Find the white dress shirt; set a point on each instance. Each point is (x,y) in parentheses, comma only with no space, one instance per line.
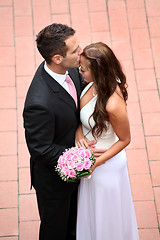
(60,78)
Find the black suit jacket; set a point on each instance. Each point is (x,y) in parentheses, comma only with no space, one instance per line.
(50,121)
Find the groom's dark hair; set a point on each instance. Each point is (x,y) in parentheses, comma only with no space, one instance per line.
(51,40)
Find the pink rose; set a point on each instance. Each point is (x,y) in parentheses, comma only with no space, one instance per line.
(61,166)
(88,153)
(71,164)
(82,154)
(79,166)
(87,164)
(74,158)
(72,173)
(65,170)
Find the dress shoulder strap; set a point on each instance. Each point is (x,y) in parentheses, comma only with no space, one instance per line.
(86,89)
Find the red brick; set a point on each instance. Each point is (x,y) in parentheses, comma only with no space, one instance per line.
(23,155)
(157,198)
(127,66)
(7,101)
(8,168)
(149,101)
(137,18)
(9,221)
(78,1)
(151,123)
(96,6)
(23,84)
(7,73)
(155,170)
(22,21)
(21,133)
(137,161)
(154,26)
(137,138)
(153,147)
(122,50)
(56,7)
(6,33)
(22,8)
(40,2)
(6,3)
(10,238)
(29,230)
(61,18)
(82,27)
(99,21)
(146,214)
(6,16)
(24,62)
(149,234)
(132,108)
(9,194)
(132,92)
(146,79)
(143,58)
(24,181)
(119,30)
(8,142)
(8,120)
(102,37)
(135,4)
(142,34)
(156,54)
(153,9)
(42,15)
(28,202)
(141,187)
(117,10)
(7,56)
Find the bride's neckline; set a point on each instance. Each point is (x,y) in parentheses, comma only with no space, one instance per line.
(87,88)
(83,93)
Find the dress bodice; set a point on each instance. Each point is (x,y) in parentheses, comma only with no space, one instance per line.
(108,138)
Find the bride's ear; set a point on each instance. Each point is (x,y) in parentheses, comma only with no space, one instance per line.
(57,59)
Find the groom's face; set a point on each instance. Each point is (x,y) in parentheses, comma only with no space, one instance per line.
(72,58)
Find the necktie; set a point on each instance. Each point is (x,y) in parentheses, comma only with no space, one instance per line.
(72,89)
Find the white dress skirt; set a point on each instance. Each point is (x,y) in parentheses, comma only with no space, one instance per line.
(105,205)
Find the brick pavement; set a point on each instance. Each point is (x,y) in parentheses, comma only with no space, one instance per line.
(132,29)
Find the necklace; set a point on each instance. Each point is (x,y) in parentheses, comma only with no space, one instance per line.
(94,92)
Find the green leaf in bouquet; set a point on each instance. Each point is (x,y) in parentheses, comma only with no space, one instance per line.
(79,175)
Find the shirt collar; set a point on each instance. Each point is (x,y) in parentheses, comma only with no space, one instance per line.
(60,78)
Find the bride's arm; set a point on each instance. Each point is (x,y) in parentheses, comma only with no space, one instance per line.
(118,118)
(82,141)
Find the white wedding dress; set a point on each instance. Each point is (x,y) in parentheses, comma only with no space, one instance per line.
(105,205)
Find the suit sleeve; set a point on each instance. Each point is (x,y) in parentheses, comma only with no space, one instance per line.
(39,126)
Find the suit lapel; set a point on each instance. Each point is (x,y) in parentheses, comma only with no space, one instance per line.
(58,89)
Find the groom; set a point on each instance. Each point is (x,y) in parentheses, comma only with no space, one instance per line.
(51,117)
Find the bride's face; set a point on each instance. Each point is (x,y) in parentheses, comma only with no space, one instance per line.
(84,70)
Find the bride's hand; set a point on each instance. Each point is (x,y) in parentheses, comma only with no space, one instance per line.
(82,141)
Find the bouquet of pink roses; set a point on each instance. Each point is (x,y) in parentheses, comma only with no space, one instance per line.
(75,163)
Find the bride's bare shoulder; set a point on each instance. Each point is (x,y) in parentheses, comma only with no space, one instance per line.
(116,102)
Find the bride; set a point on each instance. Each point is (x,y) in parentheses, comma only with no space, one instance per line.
(105,205)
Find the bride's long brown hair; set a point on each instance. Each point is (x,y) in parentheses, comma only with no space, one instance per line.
(107,74)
